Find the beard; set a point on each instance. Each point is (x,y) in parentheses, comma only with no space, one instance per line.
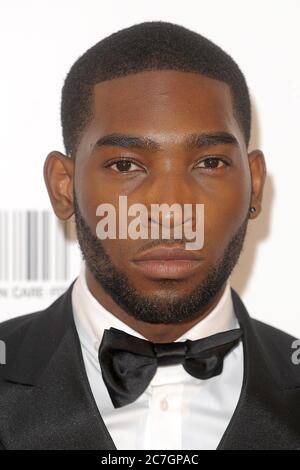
(171,308)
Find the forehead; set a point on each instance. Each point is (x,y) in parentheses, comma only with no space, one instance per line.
(162,102)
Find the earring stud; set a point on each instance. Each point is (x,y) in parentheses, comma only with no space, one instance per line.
(252,209)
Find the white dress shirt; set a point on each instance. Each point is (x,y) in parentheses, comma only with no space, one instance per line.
(176,411)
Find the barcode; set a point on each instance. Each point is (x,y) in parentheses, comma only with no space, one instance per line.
(34,246)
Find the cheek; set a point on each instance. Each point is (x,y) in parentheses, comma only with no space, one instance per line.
(91,191)
(225,211)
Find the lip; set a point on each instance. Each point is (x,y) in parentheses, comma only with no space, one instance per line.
(167,263)
(159,254)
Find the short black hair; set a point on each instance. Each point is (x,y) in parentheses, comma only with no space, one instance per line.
(152,45)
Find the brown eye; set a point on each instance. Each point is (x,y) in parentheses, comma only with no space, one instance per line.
(211,163)
(124,166)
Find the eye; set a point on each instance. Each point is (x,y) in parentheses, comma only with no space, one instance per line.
(212,163)
(123,166)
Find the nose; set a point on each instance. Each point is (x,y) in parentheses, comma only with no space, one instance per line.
(171,201)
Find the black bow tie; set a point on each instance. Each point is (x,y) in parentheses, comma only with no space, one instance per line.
(129,363)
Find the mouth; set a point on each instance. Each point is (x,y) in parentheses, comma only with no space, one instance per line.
(167,263)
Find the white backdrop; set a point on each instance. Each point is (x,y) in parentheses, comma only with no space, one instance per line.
(40,40)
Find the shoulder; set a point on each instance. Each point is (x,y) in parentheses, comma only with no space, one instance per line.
(265,342)
(33,334)
(14,333)
(55,314)
(279,347)
(18,325)
(262,330)
(269,332)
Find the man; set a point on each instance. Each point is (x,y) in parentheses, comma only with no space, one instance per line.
(150,347)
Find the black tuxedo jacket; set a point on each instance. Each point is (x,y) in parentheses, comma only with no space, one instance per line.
(46,401)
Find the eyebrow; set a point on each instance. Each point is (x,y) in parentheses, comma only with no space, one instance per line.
(193,141)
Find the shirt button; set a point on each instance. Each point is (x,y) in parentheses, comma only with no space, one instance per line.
(164,405)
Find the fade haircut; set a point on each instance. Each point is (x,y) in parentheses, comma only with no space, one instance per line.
(153,45)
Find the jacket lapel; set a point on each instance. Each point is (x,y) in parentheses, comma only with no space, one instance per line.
(267,414)
(49,404)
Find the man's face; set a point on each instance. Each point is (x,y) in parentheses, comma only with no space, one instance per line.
(166,107)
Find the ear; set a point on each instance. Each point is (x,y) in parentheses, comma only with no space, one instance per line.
(59,177)
(258,176)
